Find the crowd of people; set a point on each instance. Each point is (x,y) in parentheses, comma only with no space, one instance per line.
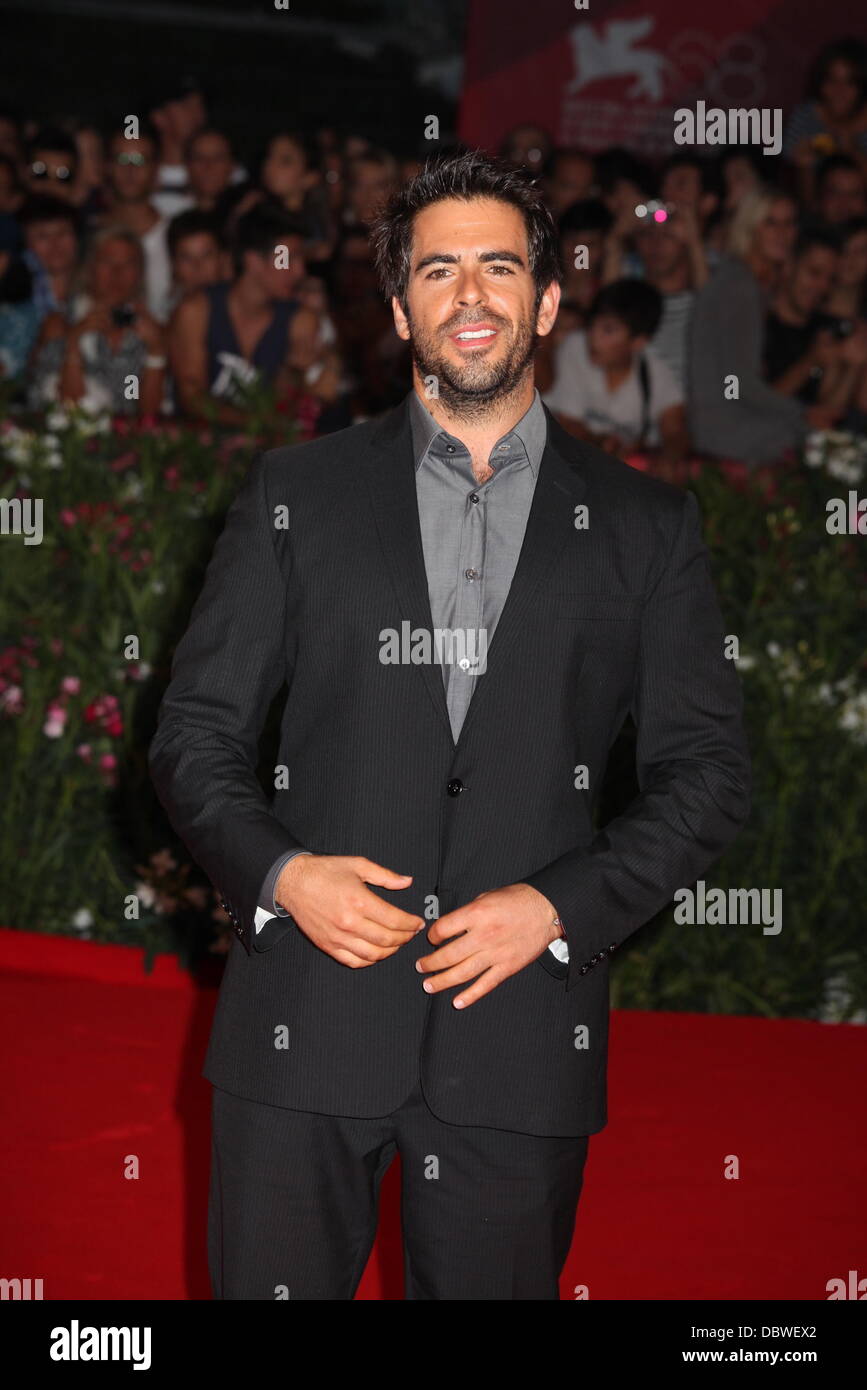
(715,305)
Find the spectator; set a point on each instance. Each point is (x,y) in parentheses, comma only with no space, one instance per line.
(197,253)
(803,357)
(11,190)
(833,119)
(847,301)
(528,147)
(734,412)
(52,252)
(52,163)
(742,170)
(582,231)
(109,342)
(569,179)
(290,178)
(610,386)
(692,185)
(210,165)
(89,193)
(132,179)
(372,178)
(840,191)
(671,257)
(624,181)
(19,317)
(230,335)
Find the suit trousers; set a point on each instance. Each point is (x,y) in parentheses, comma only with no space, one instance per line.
(486,1213)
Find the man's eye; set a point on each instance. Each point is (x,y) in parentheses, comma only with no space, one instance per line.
(503,269)
(440,271)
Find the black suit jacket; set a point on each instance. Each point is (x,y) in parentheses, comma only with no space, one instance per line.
(613,616)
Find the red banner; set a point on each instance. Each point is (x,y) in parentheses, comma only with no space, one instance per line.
(614,73)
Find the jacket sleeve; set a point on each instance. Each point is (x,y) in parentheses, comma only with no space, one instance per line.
(692,762)
(227,668)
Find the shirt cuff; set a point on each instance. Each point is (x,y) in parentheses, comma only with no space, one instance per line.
(268,904)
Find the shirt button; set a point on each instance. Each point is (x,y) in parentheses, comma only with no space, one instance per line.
(471,575)
(450,448)
(455,786)
(474,497)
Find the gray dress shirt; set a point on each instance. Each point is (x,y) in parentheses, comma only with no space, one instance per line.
(472,535)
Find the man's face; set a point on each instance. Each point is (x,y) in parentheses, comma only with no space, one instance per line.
(210,166)
(116,273)
(842,196)
(279,282)
(610,343)
(132,169)
(812,277)
(55,245)
(682,184)
(285,171)
(570,181)
(660,250)
(53,172)
(370,187)
(852,268)
(197,262)
(470,275)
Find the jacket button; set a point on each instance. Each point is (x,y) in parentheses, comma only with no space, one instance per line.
(613,946)
(455,787)
(583,969)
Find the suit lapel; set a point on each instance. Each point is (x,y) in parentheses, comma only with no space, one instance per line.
(390,478)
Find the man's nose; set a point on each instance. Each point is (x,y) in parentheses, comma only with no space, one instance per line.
(471,289)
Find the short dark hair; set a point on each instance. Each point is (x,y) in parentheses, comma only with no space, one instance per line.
(50,137)
(846,50)
(635,302)
(827,238)
(262,229)
(587,215)
(832,165)
(193,222)
(42,208)
(466,177)
(707,168)
(206,130)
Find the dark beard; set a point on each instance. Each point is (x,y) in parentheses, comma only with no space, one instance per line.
(476,389)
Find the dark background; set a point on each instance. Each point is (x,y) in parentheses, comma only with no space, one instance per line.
(371,67)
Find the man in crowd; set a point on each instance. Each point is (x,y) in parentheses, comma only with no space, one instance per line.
(132,165)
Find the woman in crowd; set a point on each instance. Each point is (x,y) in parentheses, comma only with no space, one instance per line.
(833,119)
(734,412)
(108,352)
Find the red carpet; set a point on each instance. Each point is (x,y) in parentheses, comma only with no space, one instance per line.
(103,1062)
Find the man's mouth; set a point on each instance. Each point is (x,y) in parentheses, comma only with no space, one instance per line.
(474,335)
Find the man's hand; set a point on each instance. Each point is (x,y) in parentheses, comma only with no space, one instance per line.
(493,937)
(327,894)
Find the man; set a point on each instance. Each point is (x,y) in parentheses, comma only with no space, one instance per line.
(52,164)
(132,177)
(196,251)
(805,354)
(465,604)
(51,238)
(840,191)
(226,336)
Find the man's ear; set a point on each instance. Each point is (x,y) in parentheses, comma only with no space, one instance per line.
(401,322)
(546,314)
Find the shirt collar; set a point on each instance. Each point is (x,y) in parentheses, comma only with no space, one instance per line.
(531,430)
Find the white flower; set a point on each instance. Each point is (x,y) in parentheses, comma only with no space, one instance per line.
(845,467)
(745,662)
(774,650)
(145,894)
(82,920)
(57,420)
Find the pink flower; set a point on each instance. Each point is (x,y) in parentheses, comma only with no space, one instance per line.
(11,701)
(67,516)
(70,685)
(123,461)
(114,726)
(84,752)
(107,762)
(53,728)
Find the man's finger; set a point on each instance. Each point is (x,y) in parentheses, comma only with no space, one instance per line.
(388,915)
(483,985)
(451,954)
(448,925)
(458,975)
